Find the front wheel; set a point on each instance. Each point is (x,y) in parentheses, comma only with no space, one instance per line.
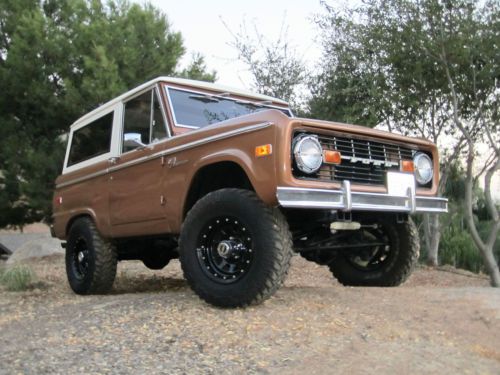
(389,262)
(234,250)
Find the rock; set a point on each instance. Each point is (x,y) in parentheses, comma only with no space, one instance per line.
(35,248)
(4,252)
(13,241)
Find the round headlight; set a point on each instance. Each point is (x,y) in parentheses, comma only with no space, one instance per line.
(308,153)
(423,168)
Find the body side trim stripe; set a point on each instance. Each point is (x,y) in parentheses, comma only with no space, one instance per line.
(187,146)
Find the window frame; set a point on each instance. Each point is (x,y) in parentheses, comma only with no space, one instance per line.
(156,90)
(115,110)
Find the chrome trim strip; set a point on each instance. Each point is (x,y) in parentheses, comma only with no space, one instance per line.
(167,91)
(217,137)
(193,144)
(163,111)
(83,178)
(348,200)
(184,147)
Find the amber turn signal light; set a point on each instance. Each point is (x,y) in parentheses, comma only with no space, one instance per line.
(263,150)
(332,157)
(407,166)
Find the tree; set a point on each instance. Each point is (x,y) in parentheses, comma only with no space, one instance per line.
(197,69)
(384,65)
(58,60)
(275,66)
(472,74)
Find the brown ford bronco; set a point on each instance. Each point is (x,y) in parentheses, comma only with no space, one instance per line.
(233,184)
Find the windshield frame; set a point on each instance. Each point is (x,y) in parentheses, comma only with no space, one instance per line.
(222,95)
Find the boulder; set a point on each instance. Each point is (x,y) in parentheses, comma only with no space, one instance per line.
(4,252)
(36,248)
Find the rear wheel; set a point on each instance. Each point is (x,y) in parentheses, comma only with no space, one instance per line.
(90,259)
(388,262)
(234,250)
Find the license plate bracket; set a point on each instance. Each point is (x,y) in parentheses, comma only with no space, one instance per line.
(401,184)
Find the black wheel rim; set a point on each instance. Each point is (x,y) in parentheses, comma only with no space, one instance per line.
(375,257)
(224,249)
(80,258)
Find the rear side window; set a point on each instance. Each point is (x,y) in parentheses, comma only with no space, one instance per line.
(92,140)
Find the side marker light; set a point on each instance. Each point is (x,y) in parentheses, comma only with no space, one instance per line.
(263,150)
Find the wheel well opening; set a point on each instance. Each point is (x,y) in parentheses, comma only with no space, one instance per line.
(75,218)
(214,177)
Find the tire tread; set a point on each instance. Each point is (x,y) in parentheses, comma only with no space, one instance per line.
(281,251)
(105,258)
(409,251)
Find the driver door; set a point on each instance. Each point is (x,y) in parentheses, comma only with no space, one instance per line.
(136,200)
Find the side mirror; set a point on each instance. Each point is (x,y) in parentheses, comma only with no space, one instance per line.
(133,140)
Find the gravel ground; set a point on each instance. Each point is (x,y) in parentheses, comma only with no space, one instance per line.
(440,322)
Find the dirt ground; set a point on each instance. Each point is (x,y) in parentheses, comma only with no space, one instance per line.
(30,228)
(440,322)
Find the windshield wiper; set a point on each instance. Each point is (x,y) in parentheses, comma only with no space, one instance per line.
(255,104)
(209,97)
(204,98)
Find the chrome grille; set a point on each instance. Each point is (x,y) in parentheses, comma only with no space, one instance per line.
(363,161)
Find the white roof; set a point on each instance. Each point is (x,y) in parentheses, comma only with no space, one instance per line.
(182,81)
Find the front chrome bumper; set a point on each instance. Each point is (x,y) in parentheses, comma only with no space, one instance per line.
(347,200)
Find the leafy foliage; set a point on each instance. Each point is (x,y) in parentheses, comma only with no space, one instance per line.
(197,70)
(275,66)
(382,63)
(58,60)
(457,247)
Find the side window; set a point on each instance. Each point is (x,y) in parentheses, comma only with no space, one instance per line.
(143,120)
(92,140)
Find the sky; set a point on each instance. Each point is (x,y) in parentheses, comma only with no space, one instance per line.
(201,24)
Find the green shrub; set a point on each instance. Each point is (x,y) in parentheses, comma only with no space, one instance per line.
(17,278)
(457,249)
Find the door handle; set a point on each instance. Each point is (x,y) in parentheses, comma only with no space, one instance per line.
(113,160)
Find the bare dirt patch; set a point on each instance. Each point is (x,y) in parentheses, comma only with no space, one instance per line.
(439,322)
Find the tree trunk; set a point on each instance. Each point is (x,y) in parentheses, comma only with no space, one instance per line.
(491,265)
(432,234)
(485,248)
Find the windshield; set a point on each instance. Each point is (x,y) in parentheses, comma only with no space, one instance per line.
(198,110)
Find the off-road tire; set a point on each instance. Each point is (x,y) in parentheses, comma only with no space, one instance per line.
(405,249)
(271,248)
(102,259)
